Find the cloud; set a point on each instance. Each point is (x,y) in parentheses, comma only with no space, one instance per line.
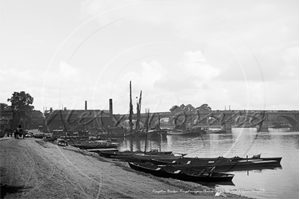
(67,71)
(193,73)
(15,73)
(62,75)
(195,63)
(273,65)
(283,95)
(63,83)
(20,78)
(17,78)
(290,68)
(189,81)
(146,76)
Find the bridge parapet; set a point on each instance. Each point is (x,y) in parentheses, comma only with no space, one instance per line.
(226,119)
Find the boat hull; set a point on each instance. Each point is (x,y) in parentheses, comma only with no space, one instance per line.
(148,157)
(109,154)
(211,161)
(181,174)
(186,132)
(95,145)
(222,164)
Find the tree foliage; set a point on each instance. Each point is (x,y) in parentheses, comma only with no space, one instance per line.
(174,108)
(189,108)
(204,107)
(21,106)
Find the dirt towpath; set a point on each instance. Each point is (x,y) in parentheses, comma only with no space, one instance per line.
(32,168)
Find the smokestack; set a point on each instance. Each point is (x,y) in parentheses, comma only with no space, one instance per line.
(85,105)
(111,112)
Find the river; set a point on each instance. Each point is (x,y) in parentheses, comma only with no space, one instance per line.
(273,183)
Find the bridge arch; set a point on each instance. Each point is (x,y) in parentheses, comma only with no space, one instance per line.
(292,121)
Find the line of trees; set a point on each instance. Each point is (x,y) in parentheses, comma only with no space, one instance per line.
(189,108)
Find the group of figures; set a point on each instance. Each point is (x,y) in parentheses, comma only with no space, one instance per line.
(17,133)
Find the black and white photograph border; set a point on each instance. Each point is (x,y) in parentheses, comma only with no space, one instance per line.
(148,98)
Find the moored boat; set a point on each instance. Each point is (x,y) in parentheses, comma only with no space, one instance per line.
(139,133)
(220,159)
(176,132)
(148,168)
(113,154)
(221,163)
(188,131)
(215,130)
(186,174)
(206,174)
(157,132)
(95,144)
(148,157)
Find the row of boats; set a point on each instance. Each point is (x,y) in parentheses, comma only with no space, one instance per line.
(196,130)
(98,143)
(167,164)
(92,144)
(172,165)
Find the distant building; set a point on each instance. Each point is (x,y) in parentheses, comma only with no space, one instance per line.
(76,120)
(6,117)
(36,119)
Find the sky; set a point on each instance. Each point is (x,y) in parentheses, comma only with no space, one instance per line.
(242,54)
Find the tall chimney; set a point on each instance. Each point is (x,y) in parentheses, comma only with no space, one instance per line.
(111,112)
(85,105)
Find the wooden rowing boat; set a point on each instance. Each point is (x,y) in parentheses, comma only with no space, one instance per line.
(217,160)
(95,144)
(111,154)
(186,174)
(222,164)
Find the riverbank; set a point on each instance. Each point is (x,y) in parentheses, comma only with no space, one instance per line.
(32,168)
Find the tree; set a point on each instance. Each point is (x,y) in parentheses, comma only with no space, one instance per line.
(21,107)
(204,107)
(174,108)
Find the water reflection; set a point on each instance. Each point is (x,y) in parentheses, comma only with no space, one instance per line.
(282,182)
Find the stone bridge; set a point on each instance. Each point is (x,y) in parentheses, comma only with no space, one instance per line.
(227,119)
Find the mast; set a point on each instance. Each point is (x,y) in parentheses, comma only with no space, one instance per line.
(147,127)
(138,112)
(158,124)
(130,108)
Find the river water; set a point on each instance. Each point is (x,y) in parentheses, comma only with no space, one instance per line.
(270,183)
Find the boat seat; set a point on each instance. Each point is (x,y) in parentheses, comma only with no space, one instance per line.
(177,171)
